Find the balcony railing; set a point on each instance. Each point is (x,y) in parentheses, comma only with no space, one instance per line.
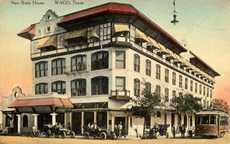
(120,95)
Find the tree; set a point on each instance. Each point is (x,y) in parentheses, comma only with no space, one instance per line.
(186,104)
(146,105)
(220,104)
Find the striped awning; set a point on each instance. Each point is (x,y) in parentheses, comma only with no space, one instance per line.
(121,28)
(151,42)
(75,34)
(163,50)
(140,36)
(47,42)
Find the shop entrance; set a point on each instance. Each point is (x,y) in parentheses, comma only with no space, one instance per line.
(44,119)
(123,121)
(76,122)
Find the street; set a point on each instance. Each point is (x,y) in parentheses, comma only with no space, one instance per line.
(30,140)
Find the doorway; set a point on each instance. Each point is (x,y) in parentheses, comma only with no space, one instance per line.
(76,122)
(123,121)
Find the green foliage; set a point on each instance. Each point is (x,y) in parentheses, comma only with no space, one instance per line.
(146,104)
(187,103)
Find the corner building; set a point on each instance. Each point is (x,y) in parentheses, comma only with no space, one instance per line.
(89,64)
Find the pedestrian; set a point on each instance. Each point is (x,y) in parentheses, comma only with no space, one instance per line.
(173,131)
(120,128)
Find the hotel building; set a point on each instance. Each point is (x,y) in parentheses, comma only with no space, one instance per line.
(89,64)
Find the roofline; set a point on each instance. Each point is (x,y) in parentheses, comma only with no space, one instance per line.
(216,73)
(138,14)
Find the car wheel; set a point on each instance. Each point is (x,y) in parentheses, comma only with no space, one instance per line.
(63,134)
(103,135)
(72,134)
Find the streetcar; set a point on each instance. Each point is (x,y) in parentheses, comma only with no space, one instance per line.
(211,123)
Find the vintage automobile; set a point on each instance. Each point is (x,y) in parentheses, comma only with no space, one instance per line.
(56,131)
(98,133)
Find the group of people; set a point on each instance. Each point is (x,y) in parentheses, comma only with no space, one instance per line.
(118,130)
(172,131)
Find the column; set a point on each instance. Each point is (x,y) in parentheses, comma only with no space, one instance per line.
(82,122)
(19,123)
(95,117)
(112,119)
(35,121)
(53,118)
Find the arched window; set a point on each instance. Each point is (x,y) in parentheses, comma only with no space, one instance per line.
(25,121)
(78,87)
(58,66)
(99,85)
(59,87)
(41,69)
(41,88)
(78,63)
(100,60)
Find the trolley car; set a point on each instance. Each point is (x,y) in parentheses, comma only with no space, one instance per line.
(211,123)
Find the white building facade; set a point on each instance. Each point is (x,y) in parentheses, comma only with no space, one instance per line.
(102,57)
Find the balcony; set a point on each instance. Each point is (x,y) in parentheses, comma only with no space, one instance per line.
(122,95)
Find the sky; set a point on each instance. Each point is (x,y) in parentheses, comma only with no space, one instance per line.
(204,26)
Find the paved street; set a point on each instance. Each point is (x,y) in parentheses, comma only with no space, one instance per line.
(29,140)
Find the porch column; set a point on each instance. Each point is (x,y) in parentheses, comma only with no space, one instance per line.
(82,122)
(53,118)
(35,121)
(19,123)
(95,117)
(112,119)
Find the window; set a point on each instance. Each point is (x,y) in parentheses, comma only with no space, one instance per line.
(200,89)
(78,87)
(105,31)
(212,119)
(204,90)
(41,88)
(136,63)
(211,93)
(191,85)
(148,87)
(166,94)
(180,94)
(174,78)
(205,120)
(100,60)
(158,71)
(207,93)
(186,83)
(41,69)
(136,87)
(78,63)
(158,114)
(99,85)
(174,93)
(58,66)
(59,87)
(180,81)
(158,90)
(25,121)
(120,59)
(120,83)
(166,75)
(148,67)
(195,87)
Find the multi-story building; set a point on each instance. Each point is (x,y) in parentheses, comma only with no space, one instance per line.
(87,65)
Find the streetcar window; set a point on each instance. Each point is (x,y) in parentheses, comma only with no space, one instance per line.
(205,120)
(198,120)
(212,119)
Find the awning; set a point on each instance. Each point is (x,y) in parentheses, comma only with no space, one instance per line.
(140,36)
(47,42)
(93,34)
(152,43)
(76,34)
(118,28)
(32,102)
(163,50)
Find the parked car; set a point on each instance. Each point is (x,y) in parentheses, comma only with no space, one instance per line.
(98,133)
(56,131)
